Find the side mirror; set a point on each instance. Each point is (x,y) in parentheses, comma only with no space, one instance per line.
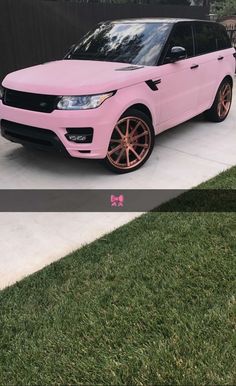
(67,56)
(177,53)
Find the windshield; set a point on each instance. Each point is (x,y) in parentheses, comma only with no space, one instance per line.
(133,43)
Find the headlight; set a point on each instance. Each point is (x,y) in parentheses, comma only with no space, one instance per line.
(1,92)
(82,102)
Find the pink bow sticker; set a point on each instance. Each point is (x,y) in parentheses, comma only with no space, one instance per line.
(117,200)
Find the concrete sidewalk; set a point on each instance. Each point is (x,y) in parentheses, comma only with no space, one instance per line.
(183,157)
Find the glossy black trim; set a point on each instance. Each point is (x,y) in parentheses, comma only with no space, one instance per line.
(171,20)
(42,103)
(82,131)
(194,66)
(31,136)
(197,22)
(29,101)
(166,45)
(152,84)
(193,23)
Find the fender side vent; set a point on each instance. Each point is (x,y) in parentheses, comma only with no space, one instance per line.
(152,84)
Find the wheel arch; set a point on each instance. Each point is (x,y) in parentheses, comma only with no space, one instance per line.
(228,77)
(140,107)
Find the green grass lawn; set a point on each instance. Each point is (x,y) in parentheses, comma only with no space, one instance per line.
(152,303)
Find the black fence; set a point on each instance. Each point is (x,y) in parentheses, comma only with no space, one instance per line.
(36,31)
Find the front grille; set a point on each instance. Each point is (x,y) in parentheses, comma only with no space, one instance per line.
(29,135)
(29,101)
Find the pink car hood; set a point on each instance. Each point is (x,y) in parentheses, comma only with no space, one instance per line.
(76,77)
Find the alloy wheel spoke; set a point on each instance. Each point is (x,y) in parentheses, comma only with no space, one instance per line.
(224,89)
(224,104)
(120,155)
(115,140)
(222,109)
(127,157)
(135,153)
(139,135)
(115,149)
(133,130)
(144,145)
(119,131)
(227,94)
(127,128)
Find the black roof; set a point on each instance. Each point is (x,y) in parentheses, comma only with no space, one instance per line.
(156,20)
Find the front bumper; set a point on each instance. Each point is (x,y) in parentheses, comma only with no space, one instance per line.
(27,127)
(32,136)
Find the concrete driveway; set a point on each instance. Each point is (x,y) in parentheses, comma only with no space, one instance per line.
(183,157)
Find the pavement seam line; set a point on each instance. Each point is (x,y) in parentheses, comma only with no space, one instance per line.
(196,156)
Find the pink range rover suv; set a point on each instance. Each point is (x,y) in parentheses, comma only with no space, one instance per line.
(124,82)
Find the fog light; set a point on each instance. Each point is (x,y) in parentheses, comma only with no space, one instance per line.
(76,137)
(80,134)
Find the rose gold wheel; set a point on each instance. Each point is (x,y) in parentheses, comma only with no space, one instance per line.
(224,101)
(130,143)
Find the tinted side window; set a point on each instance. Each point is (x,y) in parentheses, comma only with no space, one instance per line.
(182,36)
(223,40)
(205,38)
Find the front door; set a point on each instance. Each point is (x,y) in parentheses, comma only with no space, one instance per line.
(179,84)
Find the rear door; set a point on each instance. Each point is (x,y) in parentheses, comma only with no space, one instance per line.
(178,89)
(225,58)
(208,63)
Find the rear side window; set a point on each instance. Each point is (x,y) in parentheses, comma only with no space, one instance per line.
(182,36)
(223,40)
(205,38)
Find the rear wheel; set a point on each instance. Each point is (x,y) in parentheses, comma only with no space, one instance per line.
(131,142)
(221,105)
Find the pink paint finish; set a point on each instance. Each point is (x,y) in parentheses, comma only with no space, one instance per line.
(73,77)
(182,94)
(82,78)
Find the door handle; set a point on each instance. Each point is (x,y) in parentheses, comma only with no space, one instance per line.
(194,66)
(220,58)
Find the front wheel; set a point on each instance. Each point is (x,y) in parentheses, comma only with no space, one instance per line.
(221,105)
(131,142)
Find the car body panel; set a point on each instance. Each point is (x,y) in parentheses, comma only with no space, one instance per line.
(102,119)
(77,77)
(178,77)
(179,93)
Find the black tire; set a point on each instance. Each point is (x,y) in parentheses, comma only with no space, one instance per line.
(134,152)
(213,113)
